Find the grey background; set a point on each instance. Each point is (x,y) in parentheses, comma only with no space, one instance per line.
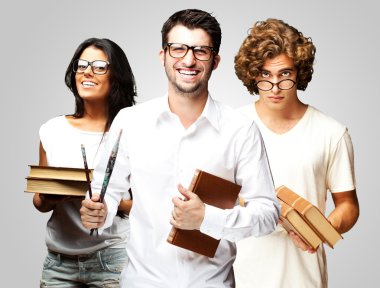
(38,39)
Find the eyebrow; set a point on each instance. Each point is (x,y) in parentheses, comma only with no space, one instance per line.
(280,71)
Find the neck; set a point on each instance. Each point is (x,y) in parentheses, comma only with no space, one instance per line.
(94,118)
(187,107)
(95,111)
(280,120)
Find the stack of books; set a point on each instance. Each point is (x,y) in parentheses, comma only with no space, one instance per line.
(57,180)
(305,219)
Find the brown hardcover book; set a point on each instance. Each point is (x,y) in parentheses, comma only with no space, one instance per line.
(57,180)
(56,186)
(64,173)
(292,220)
(214,191)
(311,214)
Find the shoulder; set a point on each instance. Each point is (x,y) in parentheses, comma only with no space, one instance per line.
(325,122)
(326,128)
(54,123)
(142,109)
(234,120)
(228,113)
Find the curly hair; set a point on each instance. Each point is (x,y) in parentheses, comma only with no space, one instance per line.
(268,39)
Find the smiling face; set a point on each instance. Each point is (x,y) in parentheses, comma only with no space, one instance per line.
(274,70)
(187,75)
(91,86)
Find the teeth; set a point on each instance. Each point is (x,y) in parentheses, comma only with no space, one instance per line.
(188,72)
(87,83)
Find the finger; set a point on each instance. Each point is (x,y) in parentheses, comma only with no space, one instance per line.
(95,197)
(91,205)
(186,193)
(299,242)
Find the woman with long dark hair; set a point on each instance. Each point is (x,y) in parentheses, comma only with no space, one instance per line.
(102,82)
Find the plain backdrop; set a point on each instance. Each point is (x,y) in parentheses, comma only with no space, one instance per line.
(38,39)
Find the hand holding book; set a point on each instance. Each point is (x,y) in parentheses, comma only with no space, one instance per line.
(187,214)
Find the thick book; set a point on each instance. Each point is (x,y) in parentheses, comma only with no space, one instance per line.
(64,173)
(56,186)
(292,220)
(214,191)
(57,180)
(311,214)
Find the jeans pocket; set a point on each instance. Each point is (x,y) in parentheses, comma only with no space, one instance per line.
(117,262)
(50,262)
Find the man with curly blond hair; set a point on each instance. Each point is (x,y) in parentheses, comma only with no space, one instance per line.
(308,152)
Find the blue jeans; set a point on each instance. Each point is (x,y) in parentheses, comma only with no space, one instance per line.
(99,269)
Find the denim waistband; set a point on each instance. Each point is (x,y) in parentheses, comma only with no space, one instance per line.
(62,255)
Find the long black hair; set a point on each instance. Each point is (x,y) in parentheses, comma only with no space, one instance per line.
(123,86)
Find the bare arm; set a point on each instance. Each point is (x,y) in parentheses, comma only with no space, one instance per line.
(44,202)
(343,217)
(125,206)
(346,211)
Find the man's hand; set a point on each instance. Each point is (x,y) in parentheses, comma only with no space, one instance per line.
(93,213)
(187,214)
(299,242)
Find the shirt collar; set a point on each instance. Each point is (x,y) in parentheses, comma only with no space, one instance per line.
(211,111)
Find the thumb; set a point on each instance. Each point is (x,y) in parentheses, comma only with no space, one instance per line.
(95,197)
(185,192)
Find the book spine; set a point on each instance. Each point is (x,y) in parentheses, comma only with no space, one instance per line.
(172,235)
(294,200)
(194,180)
(285,208)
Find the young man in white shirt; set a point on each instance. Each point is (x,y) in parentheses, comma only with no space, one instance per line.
(308,152)
(163,142)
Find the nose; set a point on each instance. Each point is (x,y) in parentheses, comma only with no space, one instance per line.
(275,88)
(189,59)
(88,70)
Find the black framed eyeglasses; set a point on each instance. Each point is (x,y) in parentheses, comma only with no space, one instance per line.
(178,50)
(265,85)
(99,67)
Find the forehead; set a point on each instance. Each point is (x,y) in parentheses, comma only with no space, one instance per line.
(278,63)
(92,53)
(191,37)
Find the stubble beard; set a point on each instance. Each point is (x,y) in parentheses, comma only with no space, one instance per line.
(188,90)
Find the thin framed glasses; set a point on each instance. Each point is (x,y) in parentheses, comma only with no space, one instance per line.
(178,50)
(99,67)
(265,85)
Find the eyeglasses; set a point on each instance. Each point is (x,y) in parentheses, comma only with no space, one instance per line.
(177,50)
(99,67)
(266,85)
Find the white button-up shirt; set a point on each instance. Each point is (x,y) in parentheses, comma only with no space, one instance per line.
(156,153)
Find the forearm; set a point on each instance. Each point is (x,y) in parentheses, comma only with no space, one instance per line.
(346,211)
(41,205)
(344,216)
(256,219)
(125,206)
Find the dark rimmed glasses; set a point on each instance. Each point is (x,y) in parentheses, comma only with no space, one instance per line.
(265,85)
(178,50)
(99,67)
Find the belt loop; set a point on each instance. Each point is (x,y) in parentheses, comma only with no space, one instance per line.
(99,255)
(59,259)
